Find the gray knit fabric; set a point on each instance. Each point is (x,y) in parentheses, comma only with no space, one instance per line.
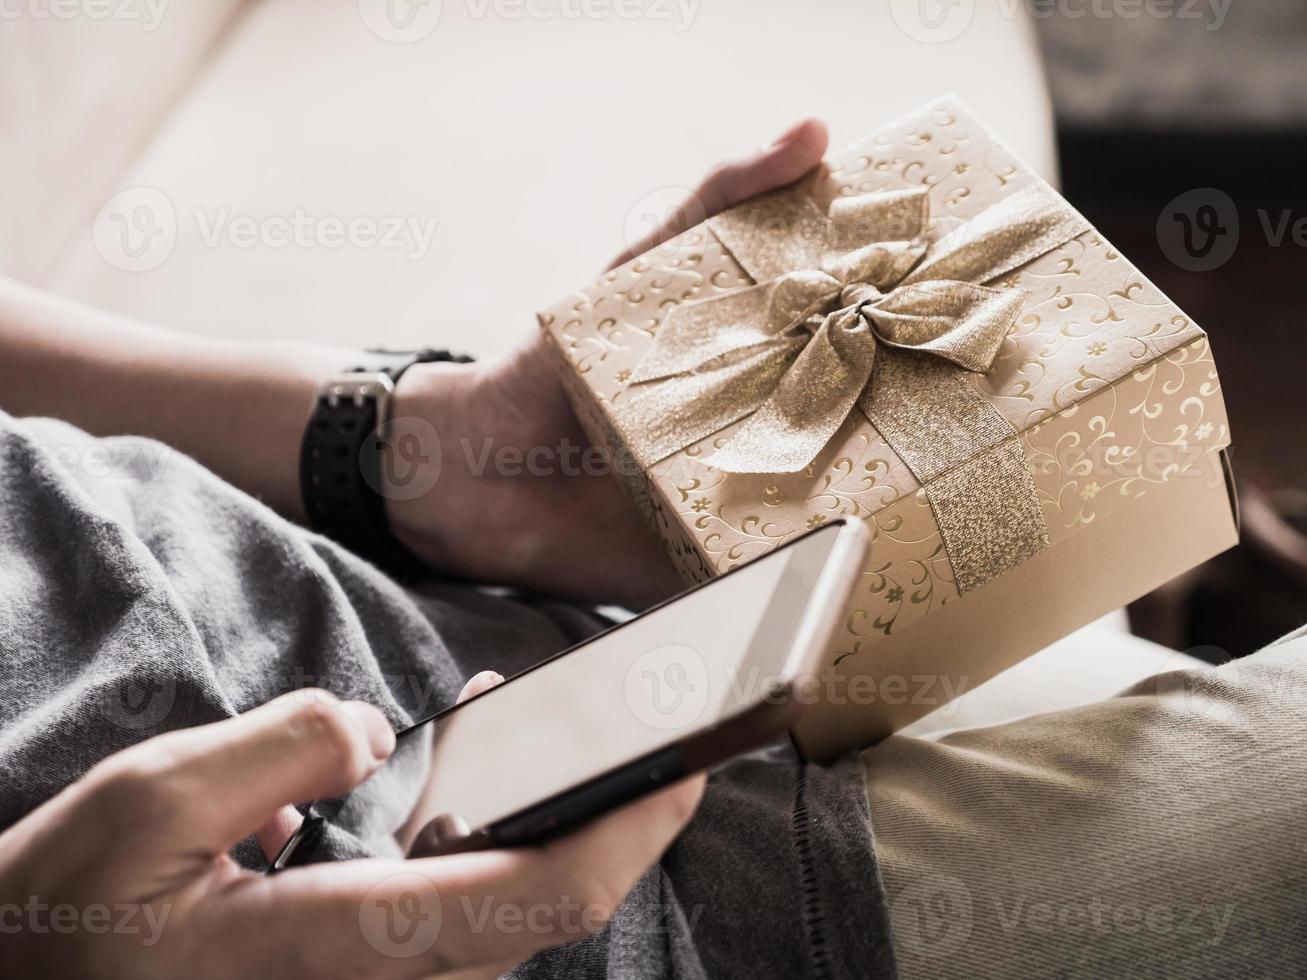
(140,593)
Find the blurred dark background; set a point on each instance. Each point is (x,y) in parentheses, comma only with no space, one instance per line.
(1192,116)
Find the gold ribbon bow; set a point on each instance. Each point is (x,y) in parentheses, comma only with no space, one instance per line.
(857,307)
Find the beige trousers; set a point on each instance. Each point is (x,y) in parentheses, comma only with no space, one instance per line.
(1156,834)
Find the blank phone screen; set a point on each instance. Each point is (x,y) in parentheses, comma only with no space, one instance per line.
(678,669)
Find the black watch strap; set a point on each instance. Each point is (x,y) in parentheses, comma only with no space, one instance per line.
(341,459)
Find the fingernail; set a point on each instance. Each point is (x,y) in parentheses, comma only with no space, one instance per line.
(484,680)
(381,737)
(786,136)
(449,827)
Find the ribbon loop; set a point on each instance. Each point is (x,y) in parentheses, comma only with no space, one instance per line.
(795,351)
(959,321)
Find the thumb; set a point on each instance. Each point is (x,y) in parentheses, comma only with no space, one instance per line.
(479,684)
(792,155)
(224,781)
(784,161)
(446,829)
(277,830)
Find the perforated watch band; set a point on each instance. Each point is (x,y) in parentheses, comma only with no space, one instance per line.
(341,460)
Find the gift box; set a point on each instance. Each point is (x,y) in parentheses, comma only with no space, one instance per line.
(922,335)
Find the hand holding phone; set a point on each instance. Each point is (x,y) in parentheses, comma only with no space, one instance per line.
(696,680)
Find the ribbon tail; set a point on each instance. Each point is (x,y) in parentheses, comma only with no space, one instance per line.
(811,402)
(1017,230)
(969,459)
(695,334)
(679,411)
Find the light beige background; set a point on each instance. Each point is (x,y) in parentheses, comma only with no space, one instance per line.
(533,143)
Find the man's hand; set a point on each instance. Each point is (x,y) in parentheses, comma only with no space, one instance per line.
(126,873)
(574,535)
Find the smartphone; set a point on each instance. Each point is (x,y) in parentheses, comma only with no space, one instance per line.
(711,673)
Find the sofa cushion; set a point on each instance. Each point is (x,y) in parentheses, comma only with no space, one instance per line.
(532,143)
(81,94)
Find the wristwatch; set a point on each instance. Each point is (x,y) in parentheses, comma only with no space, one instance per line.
(341,458)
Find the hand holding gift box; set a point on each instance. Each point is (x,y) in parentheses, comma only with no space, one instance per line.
(926,336)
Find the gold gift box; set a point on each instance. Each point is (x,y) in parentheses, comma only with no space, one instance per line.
(1109,390)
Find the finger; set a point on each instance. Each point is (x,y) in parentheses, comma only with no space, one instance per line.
(479,684)
(219,783)
(572,885)
(437,915)
(439,833)
(785,161)
(793,154)
(273,834)
(439,836)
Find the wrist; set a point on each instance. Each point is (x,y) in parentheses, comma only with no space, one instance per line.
(278,384)
(434,414)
